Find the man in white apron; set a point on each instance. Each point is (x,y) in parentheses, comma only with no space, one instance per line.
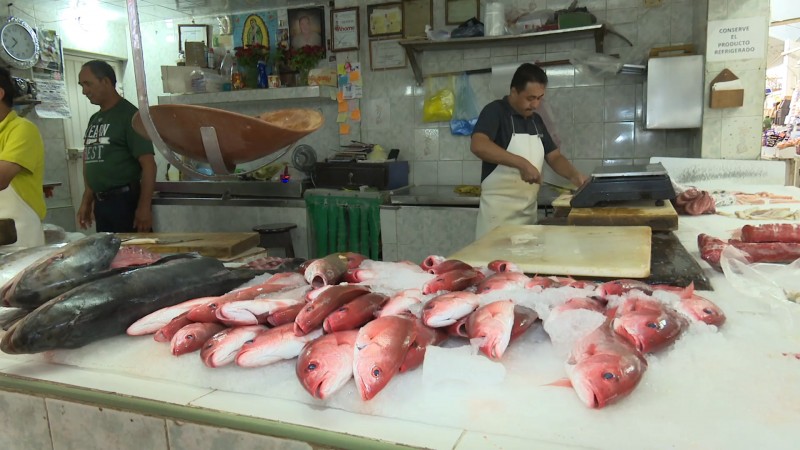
(513,143)
(21,170)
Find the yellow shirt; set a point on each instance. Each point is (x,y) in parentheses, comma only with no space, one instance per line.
(21,143)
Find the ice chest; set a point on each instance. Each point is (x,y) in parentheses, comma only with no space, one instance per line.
(379,175)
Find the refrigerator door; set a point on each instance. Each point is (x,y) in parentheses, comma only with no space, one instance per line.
(674,92)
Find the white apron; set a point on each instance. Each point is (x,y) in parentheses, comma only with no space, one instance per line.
(29,227)
(505,198)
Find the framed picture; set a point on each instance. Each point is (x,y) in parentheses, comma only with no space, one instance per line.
(417,14)
(457,12)
(385,19)
(193,33)
(344,29)
(386,54)
(306,27)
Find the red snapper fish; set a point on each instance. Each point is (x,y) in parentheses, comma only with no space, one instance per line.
(502,280)
(622,286)
(647,324)
(446,309)
(253,312)
(695,306)
(326,363)
(454,280)
(524,318)
(425,336)
(380,349)
(191,337)
(285,315)
(502,266)
(448,266)
(221,349)
(322,304)
(273,345)
(166,332)
(154,321)
(603,368)
(432,261)
(401,303)
(489,327)
(354,313)
(326,271)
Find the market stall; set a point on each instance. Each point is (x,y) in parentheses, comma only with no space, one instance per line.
(693,394)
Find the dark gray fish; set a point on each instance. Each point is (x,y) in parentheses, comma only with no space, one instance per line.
(107,307)
(76,263)
(15,262)
(10,316)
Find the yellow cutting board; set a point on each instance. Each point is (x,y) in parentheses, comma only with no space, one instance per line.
(601,251)
(217,245)
(643,213)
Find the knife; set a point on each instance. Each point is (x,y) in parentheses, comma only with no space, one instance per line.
(152,241)
(559,187)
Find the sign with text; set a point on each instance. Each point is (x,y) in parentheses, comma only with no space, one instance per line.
(736,39)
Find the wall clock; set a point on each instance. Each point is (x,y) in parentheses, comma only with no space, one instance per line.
(19,44)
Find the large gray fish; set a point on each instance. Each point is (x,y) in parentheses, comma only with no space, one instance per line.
(106,307)
(76,263)
(14,263)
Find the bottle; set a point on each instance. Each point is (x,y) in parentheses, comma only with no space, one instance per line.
(198,80)
(285,177)
(226,70)
(261,67)
(181,59)
(210,58)
(236,78)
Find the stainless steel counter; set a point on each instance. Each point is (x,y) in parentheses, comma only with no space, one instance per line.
(218,201)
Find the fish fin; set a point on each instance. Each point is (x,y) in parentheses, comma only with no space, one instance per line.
(689,291)
(564,382)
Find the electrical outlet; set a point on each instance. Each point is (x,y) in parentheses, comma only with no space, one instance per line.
(653,3)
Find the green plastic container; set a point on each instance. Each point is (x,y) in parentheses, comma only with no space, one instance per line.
(345,224)
(574,19)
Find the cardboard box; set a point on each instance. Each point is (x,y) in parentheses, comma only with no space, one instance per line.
(732,98)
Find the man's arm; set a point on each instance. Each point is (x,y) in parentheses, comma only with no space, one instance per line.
(485,149)
(143,221)
(563,167)
(86,210)
(8,170)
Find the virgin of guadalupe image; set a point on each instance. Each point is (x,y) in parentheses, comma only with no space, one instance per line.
(255,31)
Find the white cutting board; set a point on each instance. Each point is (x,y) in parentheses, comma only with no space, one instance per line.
(620,252)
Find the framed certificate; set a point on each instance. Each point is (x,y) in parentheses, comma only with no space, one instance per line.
(344,29)
(193,33)
(417,14)
(385,19)
(457,12)
(386,54)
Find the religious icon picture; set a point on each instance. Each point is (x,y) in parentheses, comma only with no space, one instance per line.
(307,27)
(254,31)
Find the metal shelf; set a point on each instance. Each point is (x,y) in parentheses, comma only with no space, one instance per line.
(251,95)
(415,47)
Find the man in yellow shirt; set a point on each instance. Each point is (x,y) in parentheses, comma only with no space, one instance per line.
(21,169)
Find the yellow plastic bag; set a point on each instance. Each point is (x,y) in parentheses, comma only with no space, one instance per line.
(439,103)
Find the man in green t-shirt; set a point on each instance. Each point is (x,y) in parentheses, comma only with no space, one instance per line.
(21,169)
(119,167)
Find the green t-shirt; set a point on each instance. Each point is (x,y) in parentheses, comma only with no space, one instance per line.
(111,148)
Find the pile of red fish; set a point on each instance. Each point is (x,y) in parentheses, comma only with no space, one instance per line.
(331,316)
(770,243)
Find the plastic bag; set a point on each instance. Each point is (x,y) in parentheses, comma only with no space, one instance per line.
(471,28)
(466,111)
(439,103)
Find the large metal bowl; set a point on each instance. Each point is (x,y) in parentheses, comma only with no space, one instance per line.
(241,138)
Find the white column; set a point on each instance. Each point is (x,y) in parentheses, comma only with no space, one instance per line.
(735,133)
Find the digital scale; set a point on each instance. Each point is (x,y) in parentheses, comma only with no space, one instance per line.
(625,183)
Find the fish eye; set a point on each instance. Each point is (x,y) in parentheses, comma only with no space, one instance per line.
(342,309)
(376,372)
(309,308)
(708,311)
(312,366)
(189,337)
(213,306)
(249,341)
(652,325)
(608,376)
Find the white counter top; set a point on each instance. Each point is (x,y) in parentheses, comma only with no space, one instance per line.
(731,389)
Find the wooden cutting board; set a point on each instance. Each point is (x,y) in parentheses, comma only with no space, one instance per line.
(600,251)
(641,213)
(217,245)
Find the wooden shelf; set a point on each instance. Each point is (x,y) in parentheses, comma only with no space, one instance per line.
(251,95)
(415,47)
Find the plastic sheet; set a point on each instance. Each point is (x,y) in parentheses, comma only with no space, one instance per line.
(439,101)
(773,284)
(465,114)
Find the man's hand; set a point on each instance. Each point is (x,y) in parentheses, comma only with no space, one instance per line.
(579,179)
(86,213)
(143,220)
(528,172)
